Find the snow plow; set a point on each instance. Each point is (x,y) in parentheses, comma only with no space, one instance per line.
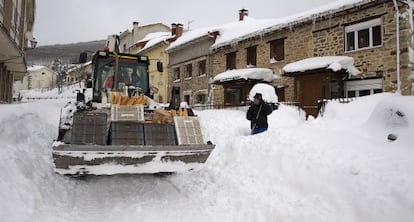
(122,130)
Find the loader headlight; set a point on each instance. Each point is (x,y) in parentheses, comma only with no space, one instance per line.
(101,53)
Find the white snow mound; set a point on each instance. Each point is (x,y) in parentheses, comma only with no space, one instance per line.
(268,92)
(334,63)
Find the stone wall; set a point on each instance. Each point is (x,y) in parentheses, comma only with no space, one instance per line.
(325,36)
(191,53)
(197,84)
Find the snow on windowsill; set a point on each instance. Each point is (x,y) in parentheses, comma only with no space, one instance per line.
(250,66)
(202,75)
(177,80)
(188,78)
(273,61)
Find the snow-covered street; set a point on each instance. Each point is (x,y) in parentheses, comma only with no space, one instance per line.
(340,167)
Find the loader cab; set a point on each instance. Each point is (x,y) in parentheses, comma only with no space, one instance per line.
(112,72)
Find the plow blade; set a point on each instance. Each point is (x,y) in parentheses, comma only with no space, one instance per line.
(72,159)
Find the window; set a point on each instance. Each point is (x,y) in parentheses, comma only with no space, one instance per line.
(364,92)
(202,68)
(233,96)
(201,98)
(377,91)
(189,71)
(231,60)
(363,35)
(13,16)
(177,73)
(366,87)
(18,23)
(187,99)
(251,56)
(277,50)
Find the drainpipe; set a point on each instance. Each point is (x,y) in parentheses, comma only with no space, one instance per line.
(397,26)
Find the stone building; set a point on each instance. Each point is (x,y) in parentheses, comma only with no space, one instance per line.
(16,23)
(362,32)
(79,73)
(41,77)
(189,66)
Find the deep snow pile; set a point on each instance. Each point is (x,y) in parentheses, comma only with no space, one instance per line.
(337,168)
(268,92)
(68,92)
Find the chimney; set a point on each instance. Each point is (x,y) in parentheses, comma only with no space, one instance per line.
(243,13)
(179,30)
(173,29)
(135,31)
(135,24)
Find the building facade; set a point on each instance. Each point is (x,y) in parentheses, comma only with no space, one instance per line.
(79,73)
(189,67)
(128,38)
(153,45)
(16,23)
(41,77)
(364,31)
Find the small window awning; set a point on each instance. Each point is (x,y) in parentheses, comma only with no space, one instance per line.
(262,74)
(334,63)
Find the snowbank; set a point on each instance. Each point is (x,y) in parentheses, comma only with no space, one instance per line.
(334,168)
(268,92)
(334,63)
(68,92)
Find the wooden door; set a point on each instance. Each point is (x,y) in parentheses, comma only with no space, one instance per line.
(310,91)
(316,87)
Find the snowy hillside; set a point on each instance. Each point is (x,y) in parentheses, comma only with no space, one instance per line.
(337,168)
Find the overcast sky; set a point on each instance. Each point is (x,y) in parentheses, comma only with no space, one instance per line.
(63,21)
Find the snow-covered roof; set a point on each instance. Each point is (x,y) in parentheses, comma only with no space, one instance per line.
(188,37)
(154,35)
(237,31)
(248,73)
(35,68)
(232,33)
(153,39)
(268,92)
(335,63)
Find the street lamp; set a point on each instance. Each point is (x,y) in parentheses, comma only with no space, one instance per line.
(33,44)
